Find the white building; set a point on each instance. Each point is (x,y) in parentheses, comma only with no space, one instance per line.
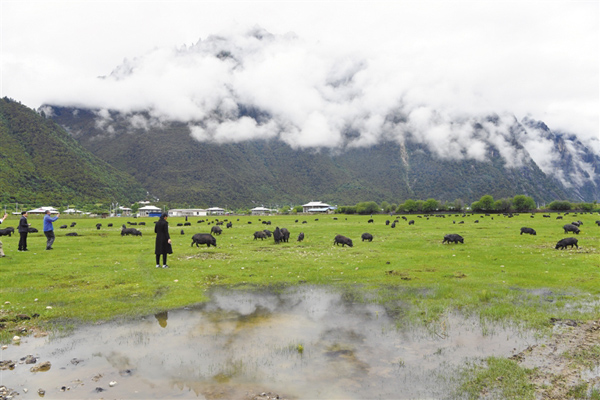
(215,211)
(317,207)
(72,211)
(146,211)
(187,212)
(42,210)
(262,211)
(124,210)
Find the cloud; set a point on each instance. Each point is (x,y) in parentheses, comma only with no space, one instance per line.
(431,83)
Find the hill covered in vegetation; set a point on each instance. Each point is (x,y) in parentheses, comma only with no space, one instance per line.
(41,163)
(166,159)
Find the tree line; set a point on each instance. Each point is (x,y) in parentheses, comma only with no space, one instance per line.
(487,204)
(519,203)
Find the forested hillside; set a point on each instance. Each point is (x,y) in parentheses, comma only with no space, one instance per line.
(41,163)
(175,167)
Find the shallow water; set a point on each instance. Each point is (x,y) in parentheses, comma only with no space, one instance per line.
(245,343)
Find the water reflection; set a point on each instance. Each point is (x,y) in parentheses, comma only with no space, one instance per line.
(162,318)
(303,343)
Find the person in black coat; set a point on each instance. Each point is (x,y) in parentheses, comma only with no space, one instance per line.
(163,240)
(23,231)
(1,221)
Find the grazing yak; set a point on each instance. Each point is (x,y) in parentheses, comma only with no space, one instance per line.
(387,222)
(63,227)
(577,223)
(285,235)
(260,235)
(110,225)
(142,223)
(411,222)
(98,226)
(268,233)
(130,231)
(367,236)
(184,224)
(453,238)
(73,224)
(34,230)
(370,221)
(571,228)
(204,238)
(277,236)
(7,231)
(343,240)
(72,234)
(301,237)
(216,230)
(229,224)
(527,230)
(563,243)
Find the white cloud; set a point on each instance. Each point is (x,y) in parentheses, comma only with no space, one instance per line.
(315,77)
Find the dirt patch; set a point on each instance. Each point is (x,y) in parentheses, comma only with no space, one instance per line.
(568,364)
(206,256)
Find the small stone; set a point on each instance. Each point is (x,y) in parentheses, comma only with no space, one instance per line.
(49,308)
(45,366)
(112,383)
(16,338)
(41,392)
(4,347)
(30,359)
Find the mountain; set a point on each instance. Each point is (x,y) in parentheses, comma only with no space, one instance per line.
(171,164)
(573,164)
(41,163)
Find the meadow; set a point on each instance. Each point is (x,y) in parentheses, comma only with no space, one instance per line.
(496,274)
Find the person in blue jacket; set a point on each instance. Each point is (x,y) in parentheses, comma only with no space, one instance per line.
(49,229)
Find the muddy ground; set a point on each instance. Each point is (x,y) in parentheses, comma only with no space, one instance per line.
(567,365)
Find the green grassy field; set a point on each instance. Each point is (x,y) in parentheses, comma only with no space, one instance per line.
(497,273)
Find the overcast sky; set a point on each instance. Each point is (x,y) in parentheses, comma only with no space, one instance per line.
(328,62)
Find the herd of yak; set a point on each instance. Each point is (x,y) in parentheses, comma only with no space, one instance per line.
(283,234)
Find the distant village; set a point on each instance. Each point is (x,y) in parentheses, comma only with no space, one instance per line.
(149,210)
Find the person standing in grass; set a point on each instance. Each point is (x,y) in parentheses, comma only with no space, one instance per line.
(49,229)
(163,240)
(1,221)
(23,231)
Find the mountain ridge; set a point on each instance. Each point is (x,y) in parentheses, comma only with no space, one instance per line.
(172,165)
(41,163)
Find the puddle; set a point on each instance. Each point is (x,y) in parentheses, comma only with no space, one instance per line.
(302,343)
